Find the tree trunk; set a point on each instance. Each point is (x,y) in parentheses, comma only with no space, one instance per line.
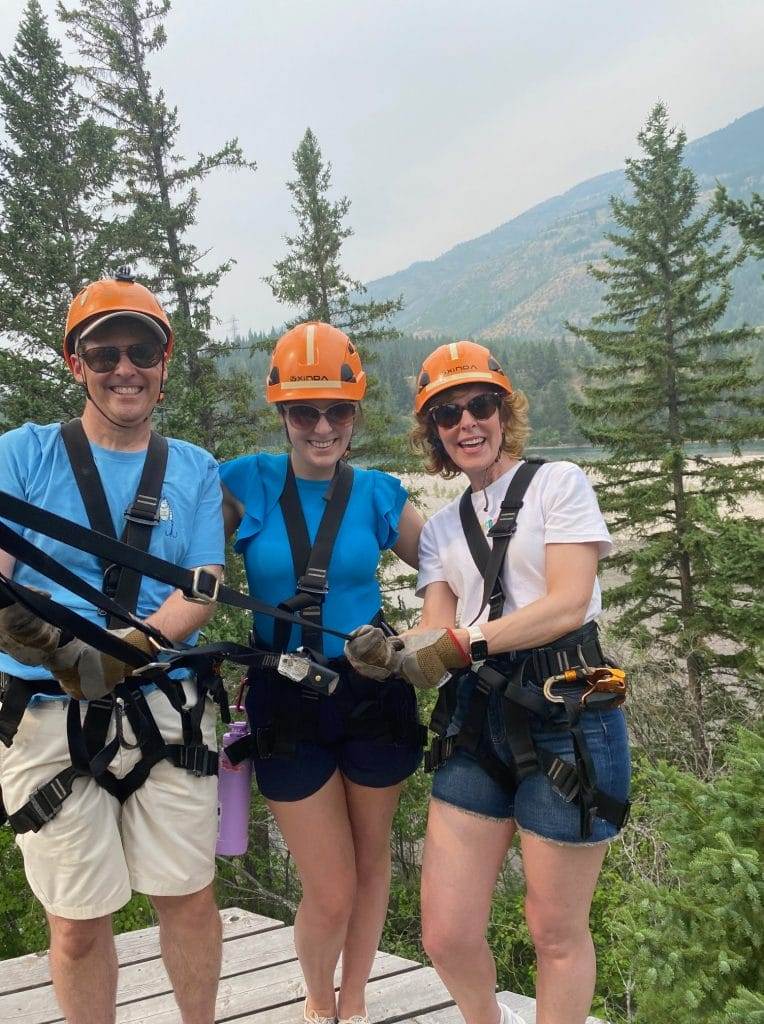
(684,567)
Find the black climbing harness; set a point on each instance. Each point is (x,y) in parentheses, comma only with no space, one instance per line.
(125,563)
(572,674)
(295,715)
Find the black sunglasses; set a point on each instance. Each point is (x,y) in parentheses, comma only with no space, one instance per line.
(305,417)
(105,358)
(480,407)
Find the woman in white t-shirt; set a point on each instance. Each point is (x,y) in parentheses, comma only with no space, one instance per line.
(507,758)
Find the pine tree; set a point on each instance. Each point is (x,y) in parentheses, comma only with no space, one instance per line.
(116,39)
(311,279)
(57,166)
(669,375)
(748,218)
(693,934)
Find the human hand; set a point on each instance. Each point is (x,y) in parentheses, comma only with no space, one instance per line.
(86,673)
(371,652)
(24,635)
(426,658)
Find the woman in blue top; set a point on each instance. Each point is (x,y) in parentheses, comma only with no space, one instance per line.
(331,768)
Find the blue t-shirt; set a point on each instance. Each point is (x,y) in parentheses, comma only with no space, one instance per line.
(369,526)
(34,466)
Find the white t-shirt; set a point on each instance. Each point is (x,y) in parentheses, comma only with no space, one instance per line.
(559,507)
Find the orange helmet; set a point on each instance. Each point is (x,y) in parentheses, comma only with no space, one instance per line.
(461,362)
(111,297)
(315,360)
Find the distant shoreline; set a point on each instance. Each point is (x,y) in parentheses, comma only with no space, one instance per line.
(589,453)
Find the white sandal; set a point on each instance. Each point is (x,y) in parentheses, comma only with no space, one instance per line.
(509,1016)
(311,1017)
(357,1018)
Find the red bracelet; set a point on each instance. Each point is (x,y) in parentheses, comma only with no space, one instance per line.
(457,644)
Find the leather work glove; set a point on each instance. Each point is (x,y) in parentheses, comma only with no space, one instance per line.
(371,652)
(83,672)
(87,673)
(426,658)
(24,635)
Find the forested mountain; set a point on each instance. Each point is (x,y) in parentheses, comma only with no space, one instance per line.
(529,275)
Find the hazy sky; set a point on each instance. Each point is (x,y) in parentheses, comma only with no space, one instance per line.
(442,119)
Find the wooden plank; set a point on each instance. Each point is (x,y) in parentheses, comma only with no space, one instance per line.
(132,947)
(148,977)
(253,992)
(525,1006)
(448,1015)
(416,992)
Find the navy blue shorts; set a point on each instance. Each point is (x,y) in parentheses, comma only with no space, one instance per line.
(535,806)
(373,762)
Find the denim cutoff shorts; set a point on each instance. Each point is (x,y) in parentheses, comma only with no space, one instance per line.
(535,806)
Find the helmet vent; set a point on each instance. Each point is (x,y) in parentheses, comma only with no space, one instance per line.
(124,273)
(424,380)
(351,348)
(273,376)
(347,374)
(493,365)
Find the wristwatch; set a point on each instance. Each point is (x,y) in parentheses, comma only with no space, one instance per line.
(478,644)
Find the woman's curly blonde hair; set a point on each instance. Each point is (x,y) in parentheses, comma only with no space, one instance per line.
(425,441)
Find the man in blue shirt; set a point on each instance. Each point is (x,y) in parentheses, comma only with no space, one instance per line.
(83,863)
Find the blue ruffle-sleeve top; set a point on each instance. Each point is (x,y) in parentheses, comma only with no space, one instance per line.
(369,526)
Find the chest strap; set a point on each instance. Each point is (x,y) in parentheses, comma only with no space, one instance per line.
(489,560)
(311,561)
(140,517)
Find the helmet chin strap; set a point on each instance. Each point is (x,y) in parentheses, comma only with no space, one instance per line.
(116,423)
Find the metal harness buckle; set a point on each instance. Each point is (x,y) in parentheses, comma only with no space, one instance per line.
(144,511)
(564,779)
(195,759)
(204,587)
(313,582)
(46,801)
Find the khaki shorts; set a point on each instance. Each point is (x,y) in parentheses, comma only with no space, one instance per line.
(85,862)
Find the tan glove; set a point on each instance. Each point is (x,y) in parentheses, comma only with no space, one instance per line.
(25,636)
(426,658)
(86,673)
(371,652)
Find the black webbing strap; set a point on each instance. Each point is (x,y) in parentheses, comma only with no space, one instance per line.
(489,560)
(45,565)
(194,584)
(311,561)
(71,622)
(91,753)
(15,695)
(140,518)
(44,803)
(574,782)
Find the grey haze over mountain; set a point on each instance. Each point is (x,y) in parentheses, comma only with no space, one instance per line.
(527,276)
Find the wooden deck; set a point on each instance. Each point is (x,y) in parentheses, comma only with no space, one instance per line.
(260,984)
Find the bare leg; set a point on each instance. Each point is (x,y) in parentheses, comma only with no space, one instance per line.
(83,968)
(463,854)
(190,936)
(561,882)
(371,816)
(317,832)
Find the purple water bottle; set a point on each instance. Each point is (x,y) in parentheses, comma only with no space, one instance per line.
(234,786)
